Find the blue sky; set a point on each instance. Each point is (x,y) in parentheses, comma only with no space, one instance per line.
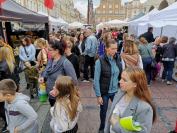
(81,5)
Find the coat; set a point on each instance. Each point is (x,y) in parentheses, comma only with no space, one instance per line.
(140,110)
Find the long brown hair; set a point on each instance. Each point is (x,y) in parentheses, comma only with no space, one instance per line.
(130,47)
(138,76)
(67,91)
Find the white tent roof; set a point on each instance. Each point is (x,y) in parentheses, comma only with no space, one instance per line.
(115,23)
(76,25)
(144,18)
(168,13)
(55,21)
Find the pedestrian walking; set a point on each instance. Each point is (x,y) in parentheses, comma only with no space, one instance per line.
(133,101)
(58,65)
(107,70)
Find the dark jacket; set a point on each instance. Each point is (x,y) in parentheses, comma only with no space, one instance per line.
(74,60)
(5,72)
(149,36)
(158,55)
(105,77)
(169,51)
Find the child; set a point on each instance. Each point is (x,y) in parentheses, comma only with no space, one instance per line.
(21,118)
(66,110)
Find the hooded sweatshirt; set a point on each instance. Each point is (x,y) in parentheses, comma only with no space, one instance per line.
(21,115)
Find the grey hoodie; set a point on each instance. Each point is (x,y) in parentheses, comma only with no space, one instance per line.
(21,115)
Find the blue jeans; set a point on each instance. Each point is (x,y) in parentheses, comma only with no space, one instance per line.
(168,70)
(103,109)
(147,68)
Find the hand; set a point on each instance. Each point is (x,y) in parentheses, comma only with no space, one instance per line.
(53,92)
(100,100)
(41,80)
(16,130)
(114,119)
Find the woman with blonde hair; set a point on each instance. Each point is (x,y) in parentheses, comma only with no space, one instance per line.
(130,56)
(66,110)
(42,56)
(7,67)
(133,101)
(147,56)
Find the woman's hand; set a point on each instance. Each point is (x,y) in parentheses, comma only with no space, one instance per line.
(53,92)
(114,119)
(16,130)
(100,100)
(41,80)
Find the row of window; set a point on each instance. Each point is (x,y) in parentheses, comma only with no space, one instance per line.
(110,12)
(111,6)
(106,19)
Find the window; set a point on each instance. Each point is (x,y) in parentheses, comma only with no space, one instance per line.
(110,12)
(110,6)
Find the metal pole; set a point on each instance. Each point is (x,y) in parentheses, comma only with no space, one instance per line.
(88,10)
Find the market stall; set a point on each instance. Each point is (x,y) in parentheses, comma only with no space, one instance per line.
(12,10)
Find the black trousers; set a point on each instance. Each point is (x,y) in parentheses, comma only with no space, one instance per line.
(74,130)
(2,112)
(52,102)
(89,61)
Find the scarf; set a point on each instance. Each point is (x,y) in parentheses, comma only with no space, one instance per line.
(130,60)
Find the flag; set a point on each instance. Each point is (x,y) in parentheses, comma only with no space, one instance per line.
(1,1)
(49,4)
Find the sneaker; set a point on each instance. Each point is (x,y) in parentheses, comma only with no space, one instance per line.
(169,83)
(4,129)
(163,80)
(85,81)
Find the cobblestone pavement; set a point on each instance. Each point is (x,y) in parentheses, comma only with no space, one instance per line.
(165,99)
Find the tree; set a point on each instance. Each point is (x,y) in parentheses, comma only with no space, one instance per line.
(163,5)
(151,8)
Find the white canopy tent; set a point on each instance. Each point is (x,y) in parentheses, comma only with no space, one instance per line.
(164,22)
(168,13)
(75,25)
(55,21)
(116,23)
(135,28)
(101,26)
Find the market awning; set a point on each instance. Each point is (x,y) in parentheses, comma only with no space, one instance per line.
(10,8)
(5,18)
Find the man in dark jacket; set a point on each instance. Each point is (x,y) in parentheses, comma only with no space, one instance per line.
(148,35)
(169,53)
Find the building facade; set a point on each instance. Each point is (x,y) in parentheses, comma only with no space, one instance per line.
(109,10)
(133,8)
(62,8)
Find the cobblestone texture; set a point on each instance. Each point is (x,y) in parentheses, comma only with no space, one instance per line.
(165,99)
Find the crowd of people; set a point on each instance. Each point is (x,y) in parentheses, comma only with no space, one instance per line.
(121,67)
